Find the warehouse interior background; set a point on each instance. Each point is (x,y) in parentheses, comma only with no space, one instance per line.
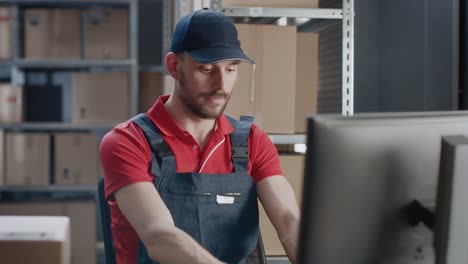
(71,70)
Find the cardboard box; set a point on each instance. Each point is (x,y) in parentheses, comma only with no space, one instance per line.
(293,169)
(52,33)
(306,78)
(6,33)
(273,48)
(37,33)
(100,98)
(275,79)
(11,104)
(151,87)
(242,95)
(46,239)
(83,217)
(32,208)
(273,3)
(2,157)
(27,162)
(76,158)
(82,214)
(107,34)
(66,26)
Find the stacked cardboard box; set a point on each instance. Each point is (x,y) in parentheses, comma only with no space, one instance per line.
(106,33)
(101,98)
(56,33)
(6,32)
(273,48)
(46,239)
(2,157)
(293,171)
(82,214)
(83,217)
(28,159)
(151,87)
(281,89)
(242,96)
(306,79)
(52,33)
(76,158)
(11,103)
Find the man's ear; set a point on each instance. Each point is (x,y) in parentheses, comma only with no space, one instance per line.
(171,64)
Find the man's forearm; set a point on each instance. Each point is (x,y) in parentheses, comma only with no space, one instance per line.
(289,237)
(176,246)
(279,202)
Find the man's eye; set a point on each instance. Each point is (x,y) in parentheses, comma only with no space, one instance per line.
(207,70)
(231,69)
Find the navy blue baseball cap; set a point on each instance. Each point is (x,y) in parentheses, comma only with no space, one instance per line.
(207,37)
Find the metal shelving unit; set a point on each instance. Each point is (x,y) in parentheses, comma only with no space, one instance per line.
(57,64)
(49,189)
(288,139)
(65,3)
(19,65)
(310,20)
(52,126)
(263,12)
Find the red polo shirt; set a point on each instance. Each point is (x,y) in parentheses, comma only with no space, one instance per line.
(126,159)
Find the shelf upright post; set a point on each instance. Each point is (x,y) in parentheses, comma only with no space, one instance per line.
(133,52)
(84,18)
(348,58)
(16,75)
(16,26)
(167,28)
(216,5)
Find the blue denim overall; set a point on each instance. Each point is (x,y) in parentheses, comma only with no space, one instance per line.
(219,211)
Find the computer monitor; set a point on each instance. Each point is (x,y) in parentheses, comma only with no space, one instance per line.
(451,229)
(360,175)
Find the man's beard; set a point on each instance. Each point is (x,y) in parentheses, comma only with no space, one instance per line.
(198,105)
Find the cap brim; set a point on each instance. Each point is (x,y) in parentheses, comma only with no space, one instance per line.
(217,54)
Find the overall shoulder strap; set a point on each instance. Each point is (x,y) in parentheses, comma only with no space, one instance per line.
(239,142)
(162,156)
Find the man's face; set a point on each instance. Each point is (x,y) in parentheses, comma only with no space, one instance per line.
(206,88)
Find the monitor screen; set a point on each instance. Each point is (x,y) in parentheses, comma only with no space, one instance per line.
(361,173)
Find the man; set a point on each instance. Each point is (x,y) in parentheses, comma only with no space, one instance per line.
(182,180)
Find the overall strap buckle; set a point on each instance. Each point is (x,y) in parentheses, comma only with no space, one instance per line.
(239,142)
(240,152)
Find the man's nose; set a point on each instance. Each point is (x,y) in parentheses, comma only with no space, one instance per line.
(218,81)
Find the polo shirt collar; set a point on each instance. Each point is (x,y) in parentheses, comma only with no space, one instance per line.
(159,115)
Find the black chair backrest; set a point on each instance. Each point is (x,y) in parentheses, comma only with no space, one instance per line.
(104,212)
(258,256)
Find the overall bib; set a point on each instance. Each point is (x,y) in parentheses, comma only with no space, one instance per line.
(219,211)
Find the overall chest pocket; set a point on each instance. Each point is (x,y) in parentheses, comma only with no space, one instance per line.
(224,219)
